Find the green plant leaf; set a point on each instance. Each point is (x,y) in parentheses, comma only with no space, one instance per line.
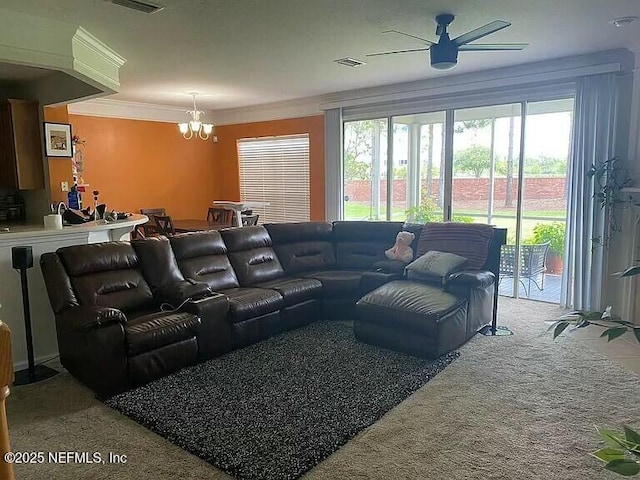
(612,438)
(629,272)
(626,468)
(609,454)
(560,327)
(631,435)
(614,332)
(636,332)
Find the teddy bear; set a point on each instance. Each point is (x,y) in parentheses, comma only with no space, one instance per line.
(401,250)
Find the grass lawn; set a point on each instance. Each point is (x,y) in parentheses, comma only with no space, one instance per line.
(363,211)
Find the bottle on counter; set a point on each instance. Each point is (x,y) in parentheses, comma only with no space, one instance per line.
(73,198)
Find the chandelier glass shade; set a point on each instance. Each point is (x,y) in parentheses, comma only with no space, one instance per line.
(194,128)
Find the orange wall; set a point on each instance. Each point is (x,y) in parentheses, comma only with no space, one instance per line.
(59,168)
(227,156)
(140,164)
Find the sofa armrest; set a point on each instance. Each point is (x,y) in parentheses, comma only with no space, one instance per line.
(214,335)
(175,293)
(87,317)
(91,342)
(471,279)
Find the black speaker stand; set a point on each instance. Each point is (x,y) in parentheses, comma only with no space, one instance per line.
(22,260)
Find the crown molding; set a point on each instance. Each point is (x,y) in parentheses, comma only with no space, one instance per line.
(82,66)
(302,107)
(105,107)
(96,61)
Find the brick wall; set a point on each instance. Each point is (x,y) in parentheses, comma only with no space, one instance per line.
(464,189)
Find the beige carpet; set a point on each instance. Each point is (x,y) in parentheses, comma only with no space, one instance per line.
(520,407)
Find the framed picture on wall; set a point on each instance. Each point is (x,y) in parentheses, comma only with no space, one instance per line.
(57,140)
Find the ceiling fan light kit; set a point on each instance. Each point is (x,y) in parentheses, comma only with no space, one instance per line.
(444,53)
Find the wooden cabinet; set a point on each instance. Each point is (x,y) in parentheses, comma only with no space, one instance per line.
(21,161)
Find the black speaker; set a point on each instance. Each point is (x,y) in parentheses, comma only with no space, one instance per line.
(22,257)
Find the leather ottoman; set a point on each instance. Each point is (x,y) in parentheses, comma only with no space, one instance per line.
(412,317)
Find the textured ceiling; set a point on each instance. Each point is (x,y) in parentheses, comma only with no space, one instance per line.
(246,52)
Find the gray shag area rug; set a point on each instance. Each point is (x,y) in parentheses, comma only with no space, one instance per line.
(521,407)
(275,409)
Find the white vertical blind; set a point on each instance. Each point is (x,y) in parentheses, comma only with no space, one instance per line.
(276,170)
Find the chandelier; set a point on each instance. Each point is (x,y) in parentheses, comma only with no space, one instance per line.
(194,128)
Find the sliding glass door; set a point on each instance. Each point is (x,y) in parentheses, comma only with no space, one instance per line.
(471,165)
(365,169)
(418,167)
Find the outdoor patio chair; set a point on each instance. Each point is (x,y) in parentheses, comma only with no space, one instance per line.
(532,264)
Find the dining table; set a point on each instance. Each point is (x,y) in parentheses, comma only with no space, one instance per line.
(239,207)
(195,225)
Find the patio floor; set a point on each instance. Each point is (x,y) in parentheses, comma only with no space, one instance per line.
(551,292)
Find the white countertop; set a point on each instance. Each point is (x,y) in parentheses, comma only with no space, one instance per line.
(29,231)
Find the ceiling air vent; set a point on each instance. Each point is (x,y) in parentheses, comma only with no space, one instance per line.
(349,62)
(143,7)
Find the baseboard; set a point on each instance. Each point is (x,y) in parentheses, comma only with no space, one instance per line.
(40,359)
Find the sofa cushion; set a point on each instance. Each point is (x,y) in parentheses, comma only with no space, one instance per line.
(125,290)
(97,257)
(251,255)
(338,283)
(202,256)
(302,247)
(435,266)
(294,290)
(412,306)
(106,275)
(360,244)
(469,240)
(157,261)
(157,330)
(246,303)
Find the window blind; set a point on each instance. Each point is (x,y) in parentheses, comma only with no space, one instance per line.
(276,170)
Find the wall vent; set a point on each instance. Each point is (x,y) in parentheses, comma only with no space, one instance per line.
(143,7)
(350,62)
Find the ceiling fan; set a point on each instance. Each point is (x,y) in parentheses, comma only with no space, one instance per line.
(444,54)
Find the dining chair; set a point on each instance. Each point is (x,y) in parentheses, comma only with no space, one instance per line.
(250,220)
(149,228)
(220,217)
(138,232)
(164,225)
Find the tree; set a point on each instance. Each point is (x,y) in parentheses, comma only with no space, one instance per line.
(475,160)
(358,143)
(356,169)
(472,125)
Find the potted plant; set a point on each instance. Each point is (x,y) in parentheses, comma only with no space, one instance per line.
(553,233)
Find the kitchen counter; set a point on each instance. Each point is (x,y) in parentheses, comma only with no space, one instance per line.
(117,229)
(43,240)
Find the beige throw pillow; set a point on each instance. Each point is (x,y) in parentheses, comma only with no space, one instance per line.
(435,266)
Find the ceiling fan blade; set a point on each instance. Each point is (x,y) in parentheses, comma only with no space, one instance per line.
(428,42)
(492,47)
(398,51)
(488,29)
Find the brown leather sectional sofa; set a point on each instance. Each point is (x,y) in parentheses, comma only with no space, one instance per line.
(115,303)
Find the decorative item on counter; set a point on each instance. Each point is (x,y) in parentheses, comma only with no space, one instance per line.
(95,205)
(73,198)
(78,159)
